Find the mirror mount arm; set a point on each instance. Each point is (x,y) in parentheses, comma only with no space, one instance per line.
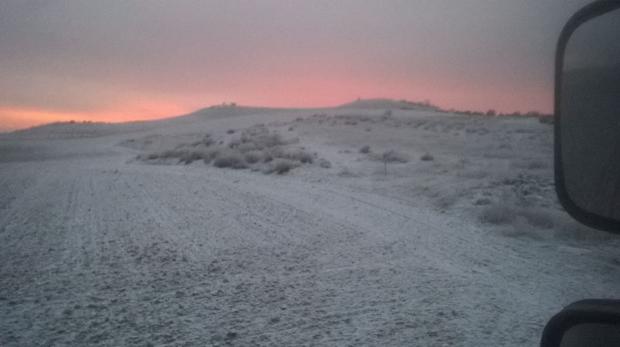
(597,311)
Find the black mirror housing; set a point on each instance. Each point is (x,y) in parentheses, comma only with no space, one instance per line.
(587,116)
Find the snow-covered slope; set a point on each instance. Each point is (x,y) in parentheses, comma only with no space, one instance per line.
(468,248)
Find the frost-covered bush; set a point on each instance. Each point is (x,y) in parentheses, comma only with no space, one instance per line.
(183,155)
(261,138)
(189,157)
(427,157)
(231,160)
(254,157)
(256,148)
(246,147)
(299,155)
(280,166)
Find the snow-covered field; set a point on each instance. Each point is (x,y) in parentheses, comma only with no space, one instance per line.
(461,244)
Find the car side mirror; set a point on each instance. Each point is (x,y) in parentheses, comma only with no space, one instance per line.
(587,111)
(593,323)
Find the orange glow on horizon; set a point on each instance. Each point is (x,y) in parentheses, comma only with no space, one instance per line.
(307,93)
(13,118)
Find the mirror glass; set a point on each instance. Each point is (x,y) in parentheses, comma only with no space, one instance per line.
(592,335)
(590,116)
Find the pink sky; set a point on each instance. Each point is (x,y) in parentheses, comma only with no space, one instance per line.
(118,60)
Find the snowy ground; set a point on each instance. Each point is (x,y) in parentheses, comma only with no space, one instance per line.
(468,249)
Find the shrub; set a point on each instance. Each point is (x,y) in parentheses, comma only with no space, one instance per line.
(280,166)
(427,157)
(189,157)
(300,155)
(270,140)
(206,141)
(392,156)
(365,149)
(212,154)
(234,143)
(230,160)
(267,158)
(295,155)
(253,157)
(254,146)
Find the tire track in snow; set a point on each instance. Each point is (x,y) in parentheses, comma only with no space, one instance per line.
(268,261)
